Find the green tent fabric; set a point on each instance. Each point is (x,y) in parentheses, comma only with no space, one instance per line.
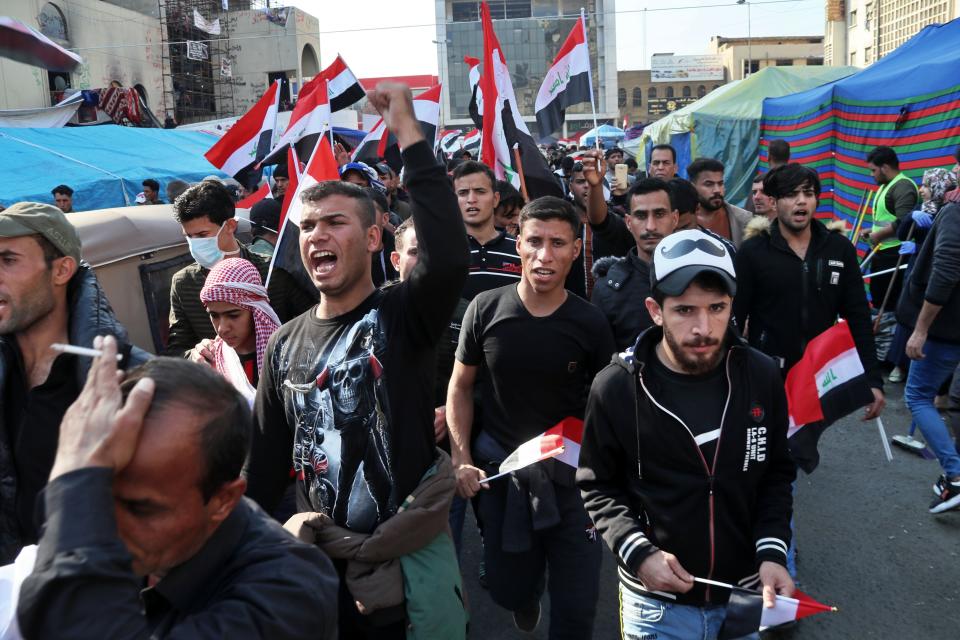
(725,124)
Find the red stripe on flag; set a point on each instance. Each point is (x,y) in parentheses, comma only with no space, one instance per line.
(255,197)
(575,38)
(292,183)
(570,428)
(803,400)
(807,606)
(550,443)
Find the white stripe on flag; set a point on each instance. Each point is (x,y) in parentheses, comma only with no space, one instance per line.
(577,61)
(341,82)
(841,369)
(783,611)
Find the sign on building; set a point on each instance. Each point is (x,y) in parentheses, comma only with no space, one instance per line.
(670,68)
(197,50)
(663,106)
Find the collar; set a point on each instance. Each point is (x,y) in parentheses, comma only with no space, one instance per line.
(643,348)
(818,233)
(638,263)
(182,586)
(499,238)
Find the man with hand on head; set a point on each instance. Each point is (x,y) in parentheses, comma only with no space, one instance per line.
(682,489)
(147,533)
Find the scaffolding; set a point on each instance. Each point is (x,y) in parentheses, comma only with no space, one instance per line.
(197,68)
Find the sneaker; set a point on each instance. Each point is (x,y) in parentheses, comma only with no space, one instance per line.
(938,485)
(896,375)
(527,619)
(948,499)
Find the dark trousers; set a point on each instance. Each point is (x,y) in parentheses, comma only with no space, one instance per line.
(569,553)
(885,259)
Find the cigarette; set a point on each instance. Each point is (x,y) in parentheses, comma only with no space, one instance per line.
(80,351)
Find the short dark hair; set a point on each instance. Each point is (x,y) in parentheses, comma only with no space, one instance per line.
(784,179)
(399,232)
(631,163)
(612,150)
(378,198)
(175,189)
(225,436)
(708,280)
(470,167)
(668,147)
(322,191)
(683,196)
(153,184)
(758,177)
(62,188)
(207,199)
(551,208)
(509,194)
(700,165)
(779,151)
(884,156)
(648,185)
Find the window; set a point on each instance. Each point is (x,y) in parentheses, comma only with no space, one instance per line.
(52,23)
(750,66)
(853,58)
(637,97)
(701,91)
(669,92)
(852,22)
(816,61)
(622,97)
(651,92)
(784,62)
(867,55)
(686,92)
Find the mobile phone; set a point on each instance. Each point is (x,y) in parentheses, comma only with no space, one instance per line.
(620,173)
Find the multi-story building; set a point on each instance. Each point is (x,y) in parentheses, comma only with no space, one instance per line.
(641,100)
(743,56)
(859,32)
(530,32)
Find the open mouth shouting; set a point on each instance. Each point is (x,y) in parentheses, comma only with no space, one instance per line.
(322,263)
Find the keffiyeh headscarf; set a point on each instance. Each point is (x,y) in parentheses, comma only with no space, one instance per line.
(236,281)
(939,181)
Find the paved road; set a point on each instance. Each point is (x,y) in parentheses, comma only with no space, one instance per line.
(867,545)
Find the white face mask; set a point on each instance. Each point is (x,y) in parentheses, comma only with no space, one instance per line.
(206,251)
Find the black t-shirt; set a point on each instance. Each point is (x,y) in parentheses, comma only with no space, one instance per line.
(348,402)
(697,400)
(494,264)
(33,417)
(538,370)
(249,363)
(381,267)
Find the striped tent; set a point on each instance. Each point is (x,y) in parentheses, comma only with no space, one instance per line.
(908,100)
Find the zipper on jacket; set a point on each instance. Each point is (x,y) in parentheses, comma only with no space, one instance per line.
(804,287)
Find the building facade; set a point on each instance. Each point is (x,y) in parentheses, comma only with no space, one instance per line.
(859,32)
(531,33)
(642,100)
(743,56)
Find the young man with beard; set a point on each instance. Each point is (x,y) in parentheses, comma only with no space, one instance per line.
(678,488)
(797,278)
(623,285)
(347,388)
(493,253)
(714,213)
(540,347)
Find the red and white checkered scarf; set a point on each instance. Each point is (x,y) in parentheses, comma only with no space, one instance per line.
(237,281)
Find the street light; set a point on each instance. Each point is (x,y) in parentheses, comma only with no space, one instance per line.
(749,39)
(441,49)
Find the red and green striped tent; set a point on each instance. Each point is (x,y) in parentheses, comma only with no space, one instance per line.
(908,100)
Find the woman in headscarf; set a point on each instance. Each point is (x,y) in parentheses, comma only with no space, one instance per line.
(243,319)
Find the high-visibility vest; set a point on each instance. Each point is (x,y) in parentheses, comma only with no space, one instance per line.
(881,215)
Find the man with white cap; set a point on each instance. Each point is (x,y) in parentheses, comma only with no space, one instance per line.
(682,489)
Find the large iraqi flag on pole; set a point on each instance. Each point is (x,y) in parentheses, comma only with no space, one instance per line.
(239,152)
(828,383)
(504,128)
(567,81)
(310,118)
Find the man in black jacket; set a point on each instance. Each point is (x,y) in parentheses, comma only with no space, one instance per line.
(682,489)
(930,305)
(796,278)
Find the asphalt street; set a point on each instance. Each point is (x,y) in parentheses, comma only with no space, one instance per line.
(867,545)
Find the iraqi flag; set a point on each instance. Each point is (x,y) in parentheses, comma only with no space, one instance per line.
(321,167)
(568,81)
(343,87)
(380,143)
(260,194)
(561,441)
(240,150)
(450,140)
(747,615)
(471,142)
(475,108)
(310,118)
(503,128)
(827,384)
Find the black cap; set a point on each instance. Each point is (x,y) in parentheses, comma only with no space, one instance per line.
(266,213)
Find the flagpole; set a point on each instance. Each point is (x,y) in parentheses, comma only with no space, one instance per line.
(883,439)
(523,180)
(884,272)
(813,604)
(593,103)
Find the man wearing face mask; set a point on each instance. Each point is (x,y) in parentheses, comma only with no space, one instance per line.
(206,214)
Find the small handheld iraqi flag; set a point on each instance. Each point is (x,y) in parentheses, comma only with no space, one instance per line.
(746,613)
(561,441)
(827,384)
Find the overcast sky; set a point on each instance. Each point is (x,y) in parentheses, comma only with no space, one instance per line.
(389,37)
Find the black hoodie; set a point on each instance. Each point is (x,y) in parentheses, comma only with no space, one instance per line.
(647,486)
(790,301)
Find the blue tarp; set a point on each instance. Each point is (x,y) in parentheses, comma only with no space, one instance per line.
(104,165)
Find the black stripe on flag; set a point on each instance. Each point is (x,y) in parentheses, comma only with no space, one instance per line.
(744,612)
(551,117)
(352,94)
(541,181)
(248,176)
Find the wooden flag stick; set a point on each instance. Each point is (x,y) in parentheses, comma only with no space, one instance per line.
(893,280)
(523,180)
(861,214)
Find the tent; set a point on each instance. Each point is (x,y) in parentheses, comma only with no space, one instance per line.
(908,100)
(725,124)
(104,165)
(609,135)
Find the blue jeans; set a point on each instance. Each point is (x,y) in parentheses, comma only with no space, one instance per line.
(643,618)
(923,382)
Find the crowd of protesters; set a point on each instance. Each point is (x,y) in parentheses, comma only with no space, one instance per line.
(302,461)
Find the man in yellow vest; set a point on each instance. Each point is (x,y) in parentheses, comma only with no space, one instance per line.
(896,198)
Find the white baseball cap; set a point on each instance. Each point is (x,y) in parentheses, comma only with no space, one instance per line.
(681,256)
